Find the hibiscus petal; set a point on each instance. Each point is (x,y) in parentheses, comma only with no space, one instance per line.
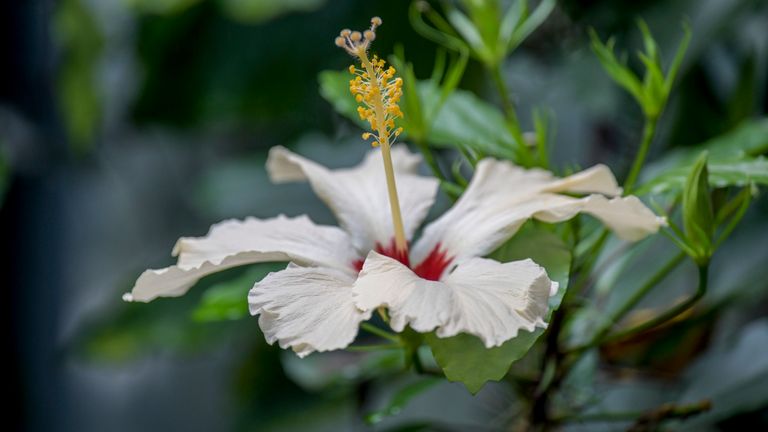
(597,179)
(502,196)
(627,216)
(234,242)
(358,196)
(412,300)
(307,309)
(482,297)
(494,300)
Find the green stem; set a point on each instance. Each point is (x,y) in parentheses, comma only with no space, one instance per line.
(370,328)
(584,269)
(651,417)
(632,302)
(648,132)
(671,313)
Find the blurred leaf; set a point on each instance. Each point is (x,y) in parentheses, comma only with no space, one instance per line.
(339,368)
(471,34)
(531,23)
(334,86)
(81,41)
(164,324)
(733,160)
(464,120)
(255,11)
(5,175)
(698,217)
(463,357)
(653,92)
(733,376)
(161,7)
(749,139)
(724,174)
(229,300)
(401,398)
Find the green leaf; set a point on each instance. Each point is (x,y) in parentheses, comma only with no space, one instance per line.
(466,120)
(228,300)
(464,358)
(400,399)
(749,139)
(653,92)
(471,35)
(334,87)
(616,69)
(531,23)
(732,160)
(698,217)
(723,174)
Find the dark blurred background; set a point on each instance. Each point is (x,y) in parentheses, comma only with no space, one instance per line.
(126,124)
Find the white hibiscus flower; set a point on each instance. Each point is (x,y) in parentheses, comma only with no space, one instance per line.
(337,276)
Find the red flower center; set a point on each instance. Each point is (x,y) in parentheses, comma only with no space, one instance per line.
(431,268)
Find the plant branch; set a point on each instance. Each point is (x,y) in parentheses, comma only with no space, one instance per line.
(649,130)
(370,328)
(671,313)
(632,302)
(643,420)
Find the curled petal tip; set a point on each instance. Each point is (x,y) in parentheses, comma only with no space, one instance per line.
(127,297)
(553,288)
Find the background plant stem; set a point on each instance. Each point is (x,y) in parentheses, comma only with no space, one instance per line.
(649,130)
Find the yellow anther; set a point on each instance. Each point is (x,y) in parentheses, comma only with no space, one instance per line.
(358,98)
(366,135)
(351,68)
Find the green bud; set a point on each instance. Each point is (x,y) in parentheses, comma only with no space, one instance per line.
(698,216)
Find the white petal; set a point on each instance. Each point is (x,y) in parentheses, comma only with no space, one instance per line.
(233,242)
(358,196)
(627,216)
(598,179)
(488,299)
(307,309)
(501,197)
(412,300)
(494,300)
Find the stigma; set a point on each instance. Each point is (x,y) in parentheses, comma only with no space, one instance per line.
(374,86)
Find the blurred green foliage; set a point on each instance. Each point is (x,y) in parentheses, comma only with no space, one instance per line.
(246,73)
(78,84)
